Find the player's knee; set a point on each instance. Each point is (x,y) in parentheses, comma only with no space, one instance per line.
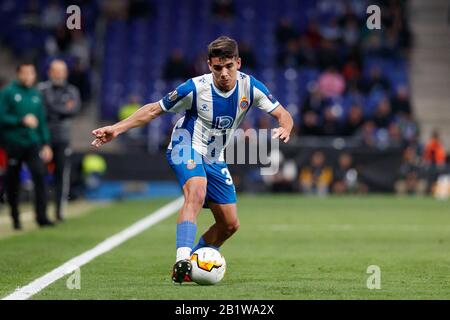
(232,227)
(196,196)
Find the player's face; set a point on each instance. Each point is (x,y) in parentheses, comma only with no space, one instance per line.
(224,72)
(27,75)
(58,72)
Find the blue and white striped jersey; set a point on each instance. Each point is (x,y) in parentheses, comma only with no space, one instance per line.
(211,114)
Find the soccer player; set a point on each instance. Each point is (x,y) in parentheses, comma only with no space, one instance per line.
(214,105)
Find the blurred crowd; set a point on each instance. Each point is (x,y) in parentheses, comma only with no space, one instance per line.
(360,91)
(355,93)
(328,171)
(36,31)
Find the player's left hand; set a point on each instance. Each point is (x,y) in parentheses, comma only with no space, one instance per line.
(281,133)
(46,153)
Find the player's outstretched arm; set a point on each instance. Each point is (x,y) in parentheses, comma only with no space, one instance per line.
(141,117)
(285,121)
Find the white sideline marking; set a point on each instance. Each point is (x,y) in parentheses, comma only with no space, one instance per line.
(39,284)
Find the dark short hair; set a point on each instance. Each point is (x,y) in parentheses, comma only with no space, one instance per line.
(23,64)
(223,48)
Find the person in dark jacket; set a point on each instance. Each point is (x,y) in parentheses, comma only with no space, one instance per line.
(62,103)
(2,158)
(26,138)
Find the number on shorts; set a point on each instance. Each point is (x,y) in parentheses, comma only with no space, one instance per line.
(227,174)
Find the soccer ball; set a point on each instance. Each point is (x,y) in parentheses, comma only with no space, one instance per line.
(208,266)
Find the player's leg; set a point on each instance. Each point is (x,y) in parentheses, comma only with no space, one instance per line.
(37,169)
(13,184)
(61,177)
(226,224)
(192,177)
(221,199)
(194,191)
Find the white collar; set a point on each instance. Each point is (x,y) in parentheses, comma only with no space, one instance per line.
(222,93)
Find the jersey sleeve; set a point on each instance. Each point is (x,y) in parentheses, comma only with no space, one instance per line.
(262,98)
(179,99)
(7,117)
(43,127)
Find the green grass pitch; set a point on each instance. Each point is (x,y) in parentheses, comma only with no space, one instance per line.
(288,247)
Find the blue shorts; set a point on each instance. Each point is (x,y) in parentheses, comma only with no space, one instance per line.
(219,188)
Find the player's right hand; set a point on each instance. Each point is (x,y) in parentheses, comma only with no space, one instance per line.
(103,135)
(30,121)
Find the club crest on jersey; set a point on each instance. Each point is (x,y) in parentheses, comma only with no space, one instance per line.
(191,164)
(244,103)
(173,95)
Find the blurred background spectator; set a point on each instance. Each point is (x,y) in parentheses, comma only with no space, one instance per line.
(346,178)
(132,138)
(223,9)
(93,168)
(410,178)
(316,177)
(284,179)
(62,103)
(434,154)
(176,67)
(434,157)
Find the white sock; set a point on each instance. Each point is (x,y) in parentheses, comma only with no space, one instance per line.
(183,253)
